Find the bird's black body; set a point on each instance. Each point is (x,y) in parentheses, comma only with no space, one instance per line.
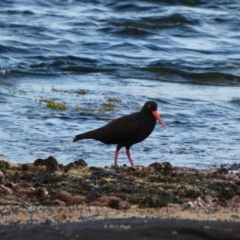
(127,130)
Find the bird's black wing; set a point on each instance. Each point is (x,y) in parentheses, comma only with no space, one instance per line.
(120,130)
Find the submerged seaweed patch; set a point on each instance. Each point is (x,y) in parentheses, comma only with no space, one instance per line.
(50,103)
(79,108)
(113,99)
(78,91)
(109,105)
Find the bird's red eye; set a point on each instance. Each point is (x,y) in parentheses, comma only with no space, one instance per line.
(149,106)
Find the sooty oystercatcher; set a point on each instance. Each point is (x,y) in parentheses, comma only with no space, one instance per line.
(126,130)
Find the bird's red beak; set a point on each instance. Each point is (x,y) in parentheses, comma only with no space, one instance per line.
(156,115)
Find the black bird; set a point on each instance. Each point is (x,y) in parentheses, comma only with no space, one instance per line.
(127,130)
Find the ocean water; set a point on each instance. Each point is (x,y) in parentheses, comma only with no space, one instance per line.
(185,55)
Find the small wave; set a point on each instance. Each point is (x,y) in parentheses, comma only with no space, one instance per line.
(173,74)
(11,49)
(131,32)
(146,26)
(175,19)
(16,12)
(235,101)
(124,7)
(126,27)
(152,4)
(3,71)
(55,65)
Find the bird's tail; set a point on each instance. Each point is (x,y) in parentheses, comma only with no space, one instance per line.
(87,135)
(79,137)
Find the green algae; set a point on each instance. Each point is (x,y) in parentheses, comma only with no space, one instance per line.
(109,104)
(113,99)
(107,107)
(78,91)
(50,103)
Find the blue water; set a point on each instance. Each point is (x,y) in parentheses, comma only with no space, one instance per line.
(183,54)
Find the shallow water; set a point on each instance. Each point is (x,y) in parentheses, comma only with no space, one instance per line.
(182,54)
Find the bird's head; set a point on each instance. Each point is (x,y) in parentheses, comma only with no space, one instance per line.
(151,107)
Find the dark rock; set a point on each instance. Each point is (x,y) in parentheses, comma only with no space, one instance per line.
(50,163)
(112,202)
(4,166)
(164,167)
(76,164)
(132,228)
(2,176)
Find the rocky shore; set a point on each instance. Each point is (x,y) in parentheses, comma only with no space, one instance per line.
(45,193)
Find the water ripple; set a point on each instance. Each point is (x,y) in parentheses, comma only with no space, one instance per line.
(182,54)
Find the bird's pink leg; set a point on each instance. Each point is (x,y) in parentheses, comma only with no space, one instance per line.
(115,158)
(129,157)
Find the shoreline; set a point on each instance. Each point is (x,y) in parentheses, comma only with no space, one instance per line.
(47,193)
